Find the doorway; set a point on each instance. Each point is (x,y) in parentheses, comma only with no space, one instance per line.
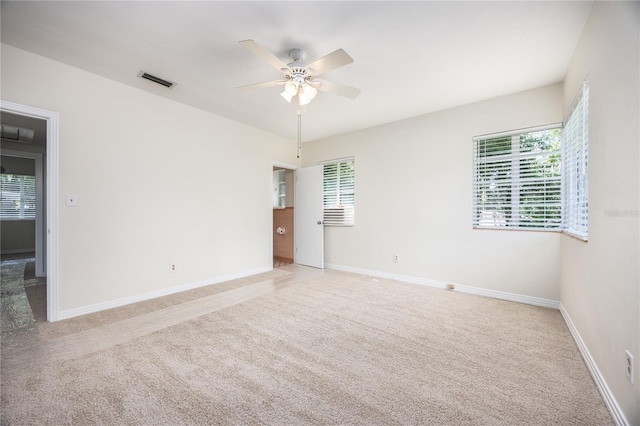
(22,211)
(283,212)
(43,149)
(307,211)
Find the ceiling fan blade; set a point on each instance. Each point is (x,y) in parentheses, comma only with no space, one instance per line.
(330,62)
(338,89)
(264,54)
(260,85)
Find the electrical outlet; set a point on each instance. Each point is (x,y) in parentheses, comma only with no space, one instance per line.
(396,258)
(629,366)
(173,267)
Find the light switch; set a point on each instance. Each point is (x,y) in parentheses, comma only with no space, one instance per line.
(72,200)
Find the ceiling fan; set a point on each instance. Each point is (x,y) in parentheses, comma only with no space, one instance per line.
(300,79)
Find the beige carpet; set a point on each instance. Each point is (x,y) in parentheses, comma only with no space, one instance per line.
(335,349)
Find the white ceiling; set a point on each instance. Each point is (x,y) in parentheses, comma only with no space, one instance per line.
(410,58)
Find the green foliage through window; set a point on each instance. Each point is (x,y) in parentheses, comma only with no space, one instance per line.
(517,181)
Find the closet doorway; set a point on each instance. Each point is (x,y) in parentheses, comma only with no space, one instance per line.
(282,199)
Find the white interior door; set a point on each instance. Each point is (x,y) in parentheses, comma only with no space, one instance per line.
(308,212)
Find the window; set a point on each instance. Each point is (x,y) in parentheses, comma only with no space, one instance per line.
(339,192)
(517,180)
(17,197)
(575,156)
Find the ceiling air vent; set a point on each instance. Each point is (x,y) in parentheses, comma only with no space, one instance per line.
(160,81)
(16,134)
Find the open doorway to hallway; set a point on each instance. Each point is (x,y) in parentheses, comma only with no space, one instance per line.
(23,236)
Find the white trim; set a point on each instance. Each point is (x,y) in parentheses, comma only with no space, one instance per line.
(506,228)
(495,294)
(52,153)
(601,384)
(41,270)
(519,131)
(281,165)
(577,98)
(573,235)
(336,160)
(84,310)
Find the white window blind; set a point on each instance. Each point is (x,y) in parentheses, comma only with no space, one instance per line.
(17,197)
(517,180)
(339,192)
(575,153)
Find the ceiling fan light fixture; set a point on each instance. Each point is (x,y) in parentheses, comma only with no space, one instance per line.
(291,87)
(287,96)
(309,91)
(303,99)
(299,77)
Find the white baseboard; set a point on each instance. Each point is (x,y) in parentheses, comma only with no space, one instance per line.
(84,310)
(607,396)
(601,384)
(496,294)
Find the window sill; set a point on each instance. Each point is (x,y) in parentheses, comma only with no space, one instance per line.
(484,228)
(576,237)
(17,219)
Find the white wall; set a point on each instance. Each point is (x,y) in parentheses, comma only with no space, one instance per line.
(17,236)
(18,165)
(600,279)
(152,178)
(413,198)
(289,188)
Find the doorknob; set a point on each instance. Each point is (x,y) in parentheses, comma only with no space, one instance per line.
(319,222)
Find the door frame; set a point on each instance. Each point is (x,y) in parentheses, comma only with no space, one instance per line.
(278,165)
(52,190)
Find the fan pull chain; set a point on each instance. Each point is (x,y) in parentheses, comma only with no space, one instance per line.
(299,133)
